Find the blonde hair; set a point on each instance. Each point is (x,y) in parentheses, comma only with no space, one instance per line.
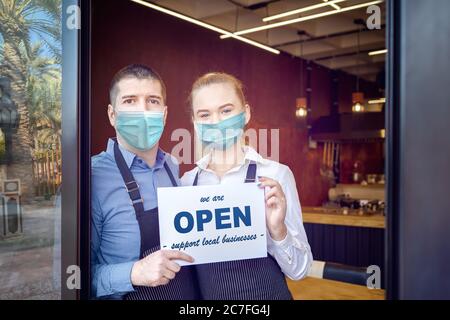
(216,78)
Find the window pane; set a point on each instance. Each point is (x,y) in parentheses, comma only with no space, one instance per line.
(30,149)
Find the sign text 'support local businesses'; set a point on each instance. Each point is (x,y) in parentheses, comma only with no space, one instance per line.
(213,223)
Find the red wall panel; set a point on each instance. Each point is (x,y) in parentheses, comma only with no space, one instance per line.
(125,33)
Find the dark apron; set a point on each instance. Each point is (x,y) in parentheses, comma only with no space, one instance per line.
(250,279)
(184,285)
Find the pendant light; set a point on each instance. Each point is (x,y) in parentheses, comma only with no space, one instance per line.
(358,96)
(301,103)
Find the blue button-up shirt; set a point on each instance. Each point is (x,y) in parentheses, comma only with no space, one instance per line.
(115,236)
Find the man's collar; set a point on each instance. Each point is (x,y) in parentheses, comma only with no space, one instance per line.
(130,156)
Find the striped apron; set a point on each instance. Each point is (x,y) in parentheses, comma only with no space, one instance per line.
(184,285)
(250,279)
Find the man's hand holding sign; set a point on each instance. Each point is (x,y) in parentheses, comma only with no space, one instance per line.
(157,268)
(221,222)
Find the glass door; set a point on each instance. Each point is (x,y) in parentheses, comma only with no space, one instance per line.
(41,135)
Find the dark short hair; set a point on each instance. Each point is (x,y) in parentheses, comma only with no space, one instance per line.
(138,71)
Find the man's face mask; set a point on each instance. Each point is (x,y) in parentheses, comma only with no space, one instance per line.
(140,129)
(222,135)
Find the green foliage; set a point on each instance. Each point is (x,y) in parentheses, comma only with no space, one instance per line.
(20,18)
(44,95)
(2,147)
(40,59)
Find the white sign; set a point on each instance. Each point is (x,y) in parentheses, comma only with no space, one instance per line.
(213,223)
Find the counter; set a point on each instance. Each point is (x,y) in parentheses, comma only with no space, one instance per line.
(319,215)
(323,289)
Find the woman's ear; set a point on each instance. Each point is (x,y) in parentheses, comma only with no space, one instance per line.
(248,113)
(112,116)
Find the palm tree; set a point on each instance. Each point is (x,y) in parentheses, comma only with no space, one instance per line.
(18,19)
(44,94)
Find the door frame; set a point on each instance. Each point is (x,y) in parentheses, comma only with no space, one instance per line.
(75,192)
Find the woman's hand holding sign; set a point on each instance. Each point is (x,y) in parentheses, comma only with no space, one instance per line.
(157,268)
(275,208)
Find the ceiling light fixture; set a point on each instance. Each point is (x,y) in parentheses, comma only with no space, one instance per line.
(206,25)
(374,53)
(334,5)
(377,101)
(310,17)
(300,10)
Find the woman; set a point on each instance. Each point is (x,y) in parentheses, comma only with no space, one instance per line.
(220,113)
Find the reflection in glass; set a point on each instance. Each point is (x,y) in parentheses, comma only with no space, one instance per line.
(30,149)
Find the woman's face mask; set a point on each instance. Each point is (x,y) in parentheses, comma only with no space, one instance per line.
(140,129)
(221,135)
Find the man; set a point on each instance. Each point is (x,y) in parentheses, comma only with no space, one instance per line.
(126,260)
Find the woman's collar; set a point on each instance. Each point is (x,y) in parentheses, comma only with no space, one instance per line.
(250,155)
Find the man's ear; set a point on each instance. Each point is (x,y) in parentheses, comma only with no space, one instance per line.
(165,115)
(248,113)
(111,116)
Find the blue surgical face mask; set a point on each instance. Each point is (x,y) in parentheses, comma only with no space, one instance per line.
(222,135)
(140,129)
